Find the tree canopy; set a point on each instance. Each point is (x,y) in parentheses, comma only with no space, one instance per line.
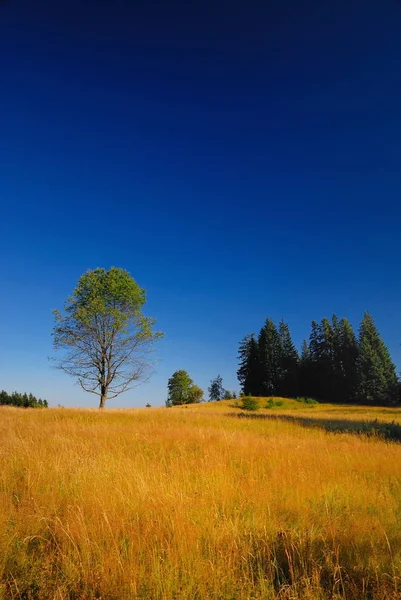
(105,337)
(216,390)
(182,390)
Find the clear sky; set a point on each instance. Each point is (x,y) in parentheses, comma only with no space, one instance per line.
(240,159)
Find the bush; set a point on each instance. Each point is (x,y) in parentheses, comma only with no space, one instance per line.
(249,403)
(274,403)
(310,401)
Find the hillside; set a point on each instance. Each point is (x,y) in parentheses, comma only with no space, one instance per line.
(198,503)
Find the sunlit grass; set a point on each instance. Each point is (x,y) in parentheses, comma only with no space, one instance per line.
(191,503)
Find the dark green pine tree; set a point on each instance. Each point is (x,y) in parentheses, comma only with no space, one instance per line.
(270,353)
(288,387)
(326,361)
(248,372)
(337,369)
(321,349)
(345,357)
(314,377)
(305,371)
(377,379)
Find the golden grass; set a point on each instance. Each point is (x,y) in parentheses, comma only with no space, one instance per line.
(176,504)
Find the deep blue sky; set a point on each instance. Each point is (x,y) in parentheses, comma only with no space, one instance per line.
(240,159)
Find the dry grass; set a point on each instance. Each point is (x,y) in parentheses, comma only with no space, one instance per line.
(192,504)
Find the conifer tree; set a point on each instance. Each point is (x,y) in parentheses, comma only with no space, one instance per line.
(337,369)
(22,400)
(320,372)
(313,381)
(289,363)
(377,379)
(270,354)
(346,356)
(305,368)
(248,371)
(216,390)
(326,367)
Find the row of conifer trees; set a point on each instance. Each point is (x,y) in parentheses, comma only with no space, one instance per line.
(335,365)
(22,400)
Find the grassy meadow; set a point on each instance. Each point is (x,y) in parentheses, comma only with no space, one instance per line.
(196,503)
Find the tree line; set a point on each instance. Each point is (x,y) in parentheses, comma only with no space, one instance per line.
(335,364)
(106,344)
(22,400)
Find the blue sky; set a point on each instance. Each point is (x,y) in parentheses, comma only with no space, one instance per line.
(241,160)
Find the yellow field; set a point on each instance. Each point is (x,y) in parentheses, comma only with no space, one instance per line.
(176,504)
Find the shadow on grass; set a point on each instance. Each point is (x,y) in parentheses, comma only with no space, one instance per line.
(386,431)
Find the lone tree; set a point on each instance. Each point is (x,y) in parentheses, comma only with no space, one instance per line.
(106,338)
(216,390)
(182,390)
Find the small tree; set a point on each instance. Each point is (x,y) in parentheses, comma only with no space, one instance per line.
(216,390)
(181,390)
(228,395)
(106,338)
(195,394)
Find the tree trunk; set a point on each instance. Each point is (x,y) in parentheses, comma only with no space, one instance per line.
(103,396)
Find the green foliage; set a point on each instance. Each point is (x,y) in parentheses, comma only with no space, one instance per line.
(195,394)
(269,365)
(182,390)
(228,395)
(105,336)
(305,400)
(346,356)
(289,364)
(334,366)
(274,403)
(22,400)
(328,364)
(249,403)
(216,390)
(377,380)
(249,366)
(321,360)
(305,366)
(270,354)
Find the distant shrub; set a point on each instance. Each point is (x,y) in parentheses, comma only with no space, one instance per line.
(305,400)
(249,403)
(274,403)
(148,405)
